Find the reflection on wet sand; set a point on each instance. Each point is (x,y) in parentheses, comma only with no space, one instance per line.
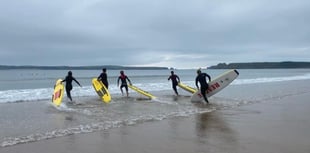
(212,130)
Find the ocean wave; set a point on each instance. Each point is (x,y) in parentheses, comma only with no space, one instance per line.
(30,95)
(270,79)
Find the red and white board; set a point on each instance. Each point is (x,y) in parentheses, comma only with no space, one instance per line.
(216,85)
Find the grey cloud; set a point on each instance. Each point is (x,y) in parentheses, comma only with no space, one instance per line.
(140,32)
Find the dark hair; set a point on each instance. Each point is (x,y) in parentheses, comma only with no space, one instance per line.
(104,69)
(70,73)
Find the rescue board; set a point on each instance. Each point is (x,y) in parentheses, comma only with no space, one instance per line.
(187,88)
(58,93)
(216,85)
(145,93)
(101,90)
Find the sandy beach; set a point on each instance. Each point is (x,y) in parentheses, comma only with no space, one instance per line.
(280,126)
(262,112)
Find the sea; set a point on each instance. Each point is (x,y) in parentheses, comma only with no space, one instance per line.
(27,114)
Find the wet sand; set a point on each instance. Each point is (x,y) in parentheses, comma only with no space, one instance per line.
(279,126)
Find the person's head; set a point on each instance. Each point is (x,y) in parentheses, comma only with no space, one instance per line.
(198,71)
(121,72)
(104,70)
(70,73)
(172,72)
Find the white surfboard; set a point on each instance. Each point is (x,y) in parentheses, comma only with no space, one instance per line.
(216,85)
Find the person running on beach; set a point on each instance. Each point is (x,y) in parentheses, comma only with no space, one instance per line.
(175,80)
(69,78)
(123,79)
(103,77)
(201,78)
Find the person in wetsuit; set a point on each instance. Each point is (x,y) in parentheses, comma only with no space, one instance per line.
(103,77)
(201,78)
(123,79)
(175,80)
(69,78)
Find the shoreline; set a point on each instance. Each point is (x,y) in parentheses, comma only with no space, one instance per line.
(279,126)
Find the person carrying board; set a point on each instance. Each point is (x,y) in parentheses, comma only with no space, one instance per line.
(175,80)
(201,78)
(69,78)
(103,77)
(123,79)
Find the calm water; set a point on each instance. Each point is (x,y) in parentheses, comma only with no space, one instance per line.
(28,116)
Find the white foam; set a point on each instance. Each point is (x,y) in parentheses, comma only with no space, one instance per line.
(270,79)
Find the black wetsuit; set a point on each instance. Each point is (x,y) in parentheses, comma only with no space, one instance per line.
(123,79)
(104,79)
(175,79)
(69,87)
(201,78)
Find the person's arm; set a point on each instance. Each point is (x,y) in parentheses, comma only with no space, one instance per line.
(64,80)
(169,77)
(99,77)
(128,80)
(178,78)
(77,82)
(118,81)
(196,82)
(209,77)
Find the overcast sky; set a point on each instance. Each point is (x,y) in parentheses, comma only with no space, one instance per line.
(170,33)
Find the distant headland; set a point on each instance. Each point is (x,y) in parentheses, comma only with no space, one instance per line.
(262,65)
(251,65)
(110,67)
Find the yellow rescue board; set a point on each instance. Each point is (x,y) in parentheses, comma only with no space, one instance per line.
(58,93)
(101,90)
(187,88)
(145,93)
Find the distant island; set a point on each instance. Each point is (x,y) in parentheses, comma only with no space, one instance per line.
(251,65)
(262,65)
(110,67)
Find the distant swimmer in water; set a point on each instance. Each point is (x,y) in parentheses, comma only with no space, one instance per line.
(175,80)
(103,77)
(69,78)
(123,79)
(201,78)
